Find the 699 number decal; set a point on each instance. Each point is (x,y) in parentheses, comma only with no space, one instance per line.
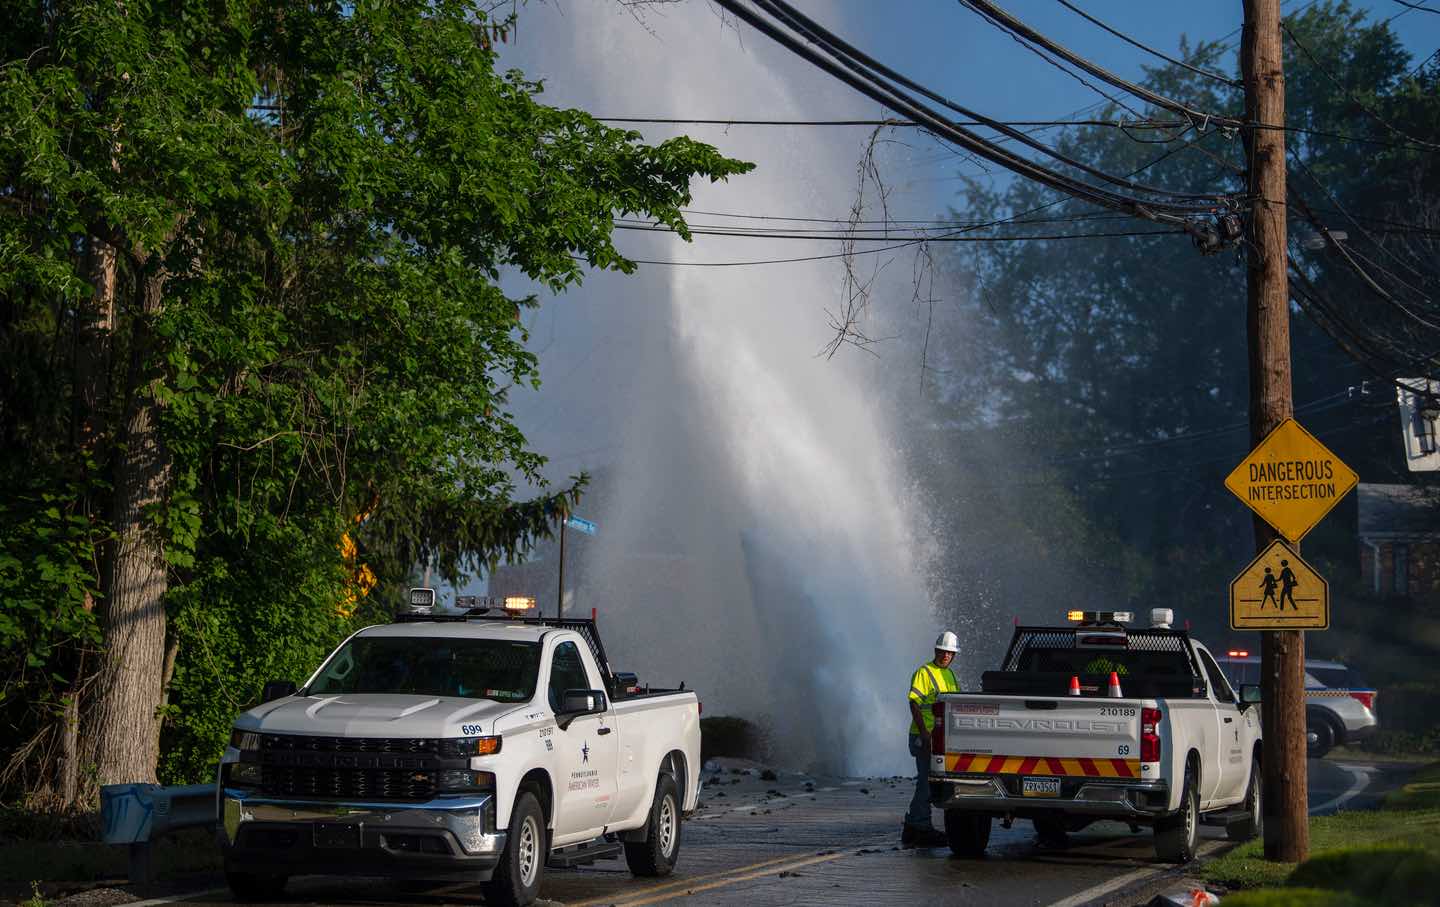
(470,730)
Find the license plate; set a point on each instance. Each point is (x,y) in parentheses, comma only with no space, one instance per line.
(1040,787)
(337,837)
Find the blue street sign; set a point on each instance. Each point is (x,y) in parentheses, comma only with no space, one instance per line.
(584,526)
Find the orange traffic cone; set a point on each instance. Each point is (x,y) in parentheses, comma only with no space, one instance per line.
(1074,685)
(1115,686)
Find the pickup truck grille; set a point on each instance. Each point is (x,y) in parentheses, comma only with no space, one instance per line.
(353,768)
(348,784)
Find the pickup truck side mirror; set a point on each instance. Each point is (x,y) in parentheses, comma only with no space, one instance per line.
(580,702)
(277,689)
(1249,694)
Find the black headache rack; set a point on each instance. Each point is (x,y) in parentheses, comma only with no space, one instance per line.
(1013,680)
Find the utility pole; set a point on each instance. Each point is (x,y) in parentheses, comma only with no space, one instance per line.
(1282,652)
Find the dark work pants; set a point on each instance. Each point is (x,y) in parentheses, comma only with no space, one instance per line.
(919,814)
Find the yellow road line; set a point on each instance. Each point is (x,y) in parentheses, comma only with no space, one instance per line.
(686,891)
(679,883)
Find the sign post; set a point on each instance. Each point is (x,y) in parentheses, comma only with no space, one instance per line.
(584,526)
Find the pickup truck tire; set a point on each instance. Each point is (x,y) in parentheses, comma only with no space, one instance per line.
(968,833)
(1254,826)
(1177,836)
(1319,736)
(517,879)
(656,855)
(253,886)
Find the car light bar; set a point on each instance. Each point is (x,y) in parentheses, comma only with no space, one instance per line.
(1100,617)
(519,602)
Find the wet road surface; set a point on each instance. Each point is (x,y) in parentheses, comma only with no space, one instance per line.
(798,841)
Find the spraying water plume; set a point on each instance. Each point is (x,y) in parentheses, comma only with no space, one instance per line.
(758,537)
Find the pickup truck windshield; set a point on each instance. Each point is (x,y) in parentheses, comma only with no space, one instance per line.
(502,670)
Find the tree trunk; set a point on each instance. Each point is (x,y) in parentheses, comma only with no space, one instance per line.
(95,328)
(122,739)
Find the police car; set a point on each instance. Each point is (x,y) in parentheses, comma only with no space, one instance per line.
(470,744)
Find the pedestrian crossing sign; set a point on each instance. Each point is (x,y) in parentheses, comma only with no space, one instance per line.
(1279,591)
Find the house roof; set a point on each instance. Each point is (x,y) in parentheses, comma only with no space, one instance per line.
(1399,510)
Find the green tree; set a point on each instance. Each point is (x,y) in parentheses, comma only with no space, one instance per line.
(1119,365)
(250,264)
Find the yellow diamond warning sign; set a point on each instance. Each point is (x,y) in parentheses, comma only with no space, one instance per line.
(1279,591)
(1291,480)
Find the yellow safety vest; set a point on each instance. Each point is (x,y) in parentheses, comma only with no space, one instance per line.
(928,682)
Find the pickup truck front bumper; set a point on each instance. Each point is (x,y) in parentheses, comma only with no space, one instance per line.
(442,839)
(1001,794)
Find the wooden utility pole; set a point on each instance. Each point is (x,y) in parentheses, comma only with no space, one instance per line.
(1282,652)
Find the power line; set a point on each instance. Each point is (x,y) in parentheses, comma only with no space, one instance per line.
(1233,83)
(855,69)
(1321,68)
(1009,23)
(901,245)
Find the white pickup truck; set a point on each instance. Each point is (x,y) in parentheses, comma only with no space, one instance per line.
(453,745)
(1049,740)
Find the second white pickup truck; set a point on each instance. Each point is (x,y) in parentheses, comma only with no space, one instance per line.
(461,747)
(1048,740)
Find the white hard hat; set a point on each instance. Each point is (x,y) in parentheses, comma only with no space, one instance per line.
(947,642)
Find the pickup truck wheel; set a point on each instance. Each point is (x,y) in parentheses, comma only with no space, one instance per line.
(656,855)
(517,879)
(254,886)
(1319,737)
(967,833)
(1254,826)
(1177,836)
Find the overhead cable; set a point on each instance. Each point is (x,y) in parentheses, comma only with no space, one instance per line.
(1004,20)
(1233,83)
(858,61)
(871,86)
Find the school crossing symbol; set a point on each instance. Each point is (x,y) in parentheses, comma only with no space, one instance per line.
(1291,480)
(1279,591)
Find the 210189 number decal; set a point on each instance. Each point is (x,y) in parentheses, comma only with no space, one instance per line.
(1116,712)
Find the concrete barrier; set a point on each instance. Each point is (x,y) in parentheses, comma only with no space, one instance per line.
(137,815)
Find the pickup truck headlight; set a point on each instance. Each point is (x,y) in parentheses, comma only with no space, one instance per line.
(244,740)
(459,747)
(453,780)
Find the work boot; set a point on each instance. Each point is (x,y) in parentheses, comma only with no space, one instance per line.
(920,836)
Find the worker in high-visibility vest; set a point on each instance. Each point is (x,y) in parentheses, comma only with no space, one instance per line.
(928,682)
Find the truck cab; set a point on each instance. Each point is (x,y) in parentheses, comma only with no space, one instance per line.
(459,745)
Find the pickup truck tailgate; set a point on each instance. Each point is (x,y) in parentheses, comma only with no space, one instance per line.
(1029,735)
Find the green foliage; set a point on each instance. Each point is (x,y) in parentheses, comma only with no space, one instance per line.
(1345,839)
(1112,371)
(328,196)
(1387,874)
(1294,897)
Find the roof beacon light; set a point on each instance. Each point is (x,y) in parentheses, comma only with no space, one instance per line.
(1100,617)
(422,599)
(519,603)
(1161,618)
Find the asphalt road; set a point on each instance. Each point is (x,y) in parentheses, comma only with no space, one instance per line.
(757,842)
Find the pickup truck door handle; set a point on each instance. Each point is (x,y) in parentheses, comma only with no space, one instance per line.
(605,730)
(1228,720)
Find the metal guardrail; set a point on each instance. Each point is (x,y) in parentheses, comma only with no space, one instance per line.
(137,815)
